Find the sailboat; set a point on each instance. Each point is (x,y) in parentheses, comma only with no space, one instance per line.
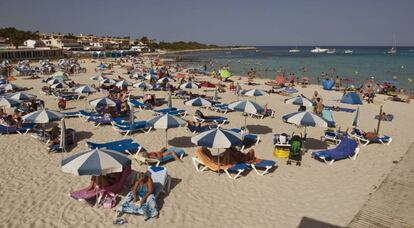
(393,50)
(294,50)
(348,51)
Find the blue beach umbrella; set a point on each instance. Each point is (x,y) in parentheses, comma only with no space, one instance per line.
(299,100)
(59,85)
(166,122)
(98,78)
(95,162)
(189,85)
(165,80)
(42,116)
(122,84)
(218,139)
(143,85)
(198,102)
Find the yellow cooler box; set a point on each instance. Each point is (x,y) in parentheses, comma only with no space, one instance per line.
(281,152)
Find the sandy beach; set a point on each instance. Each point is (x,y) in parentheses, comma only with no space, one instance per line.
(34,190)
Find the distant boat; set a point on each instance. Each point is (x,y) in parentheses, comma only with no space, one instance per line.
(257,50)
(295,50)
(393,50)
(318,50)
(348,51)
(331,51)
(228,52)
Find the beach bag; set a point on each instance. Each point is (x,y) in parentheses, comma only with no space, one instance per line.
(109,200)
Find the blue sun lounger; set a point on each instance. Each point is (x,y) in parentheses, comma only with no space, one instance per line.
(128,128)
(248,139)
(71,114)
(196,129)
(4,130)
(264,165)
(347,148)
(358,135)
(236,169)
(138,104)
(219,120)
(178,151)
(128,146)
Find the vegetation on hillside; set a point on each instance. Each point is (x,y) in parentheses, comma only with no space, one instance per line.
(17,37)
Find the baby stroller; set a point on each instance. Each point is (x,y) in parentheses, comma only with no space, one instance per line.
(295,150)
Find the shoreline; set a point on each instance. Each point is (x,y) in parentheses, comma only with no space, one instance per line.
(168,52)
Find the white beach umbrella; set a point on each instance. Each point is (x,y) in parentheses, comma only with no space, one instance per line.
(122,84)
(85,89)
(255,93)
(189,85)
(306,119)
(8,102)
(108,81)
(21,96)
(11,87)
(299,100)
(103,101)
(59,86)
(98,78)
(246,106)
(54,81)
(198,102)
(165,122)
(42,116)
(143,85)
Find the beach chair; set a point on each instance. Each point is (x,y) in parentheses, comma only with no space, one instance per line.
(128,128)
(178,151)
(85,114)
(164,110)
(248,139)
(99,120)
(177,112)
(219,120)
(236,169)
(137,104)
(5,130)
(220,107)
(268,113)
(359,136)
(71,114)
(264,165)
(85,194)
(347,148)
(333,136)
(128,146)
(198,129)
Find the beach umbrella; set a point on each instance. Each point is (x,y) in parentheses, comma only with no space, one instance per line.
(54,81)
(351,98)
(103,101)
(136,75)
(355,122)
(63,143)
(189,85)
(255,93)
(98,78)
(165,80)
(225,73)
(8,102)
(143,85)
(107,81)
(42,116)
(306,119)
(246,106)
(150,77)
(59,86)
(169,100)
(60,75)
(122,84)
(218,139)
(215,97)
(11,87)
(290,90)
(299,100)
(198,102)
(21,96)
(95,162)
(85,89)
(166,122)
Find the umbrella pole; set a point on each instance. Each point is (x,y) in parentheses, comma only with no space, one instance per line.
(166,138)
(379,120)
(245,123)
(218,159)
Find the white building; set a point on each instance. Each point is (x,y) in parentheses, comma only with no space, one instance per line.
(34,44)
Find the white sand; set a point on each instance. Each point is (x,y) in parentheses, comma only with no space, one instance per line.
(34,190)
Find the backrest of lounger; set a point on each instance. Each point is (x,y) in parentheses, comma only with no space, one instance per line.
(159,177)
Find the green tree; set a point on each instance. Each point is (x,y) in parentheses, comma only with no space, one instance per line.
(144,39)
(17,37)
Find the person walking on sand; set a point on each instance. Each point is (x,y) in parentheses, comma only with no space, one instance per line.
(337,82)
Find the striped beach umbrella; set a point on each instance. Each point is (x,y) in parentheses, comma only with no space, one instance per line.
(246,106)
(98,78)
(198,102)
(21,96)
(107,81)
(299,100)
(306,119)
(123,83)
(103,101)
(85,89)
(189,85)
(10,87)
(95,162)
(143,85)
(59,85)
(8,102)
(218,139)
(165,80)
(150,76)
(42,116)
(255,93)
(166,122)
(54,81)
(355,122)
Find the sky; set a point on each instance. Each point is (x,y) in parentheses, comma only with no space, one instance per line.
(223,22)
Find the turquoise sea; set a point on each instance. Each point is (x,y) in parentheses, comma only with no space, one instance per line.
(363,63)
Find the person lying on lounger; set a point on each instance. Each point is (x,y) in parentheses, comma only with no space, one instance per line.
(233,156)
(161,154)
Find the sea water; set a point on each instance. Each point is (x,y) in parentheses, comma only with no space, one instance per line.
(363,63)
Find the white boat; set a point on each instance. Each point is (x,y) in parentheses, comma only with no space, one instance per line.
(295,50)
(319,50)
(392,51)
(331,51)
(348,51)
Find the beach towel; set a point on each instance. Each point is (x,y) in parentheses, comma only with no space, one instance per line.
(388,117)
(340,109)
(148,209)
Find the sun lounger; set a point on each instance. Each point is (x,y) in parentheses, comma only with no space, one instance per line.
(85,194)
(358,135)
(264,165)
(248,139)
(129,128)
(128,146)
(333,136)
(165,110)
(219,120)
(138,104)
(268,113)
(4,130)
(220,107)
(71,114)
(85,114)
(100,120)
(347,148)
(236,169)
(178,112)
(196,129)
(178,151)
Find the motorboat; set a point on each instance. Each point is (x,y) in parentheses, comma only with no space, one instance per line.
(331,51)
(348,51)
(392,51)
(295,50)
(319,50)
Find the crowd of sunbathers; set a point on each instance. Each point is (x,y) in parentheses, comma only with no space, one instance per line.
(15,119)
